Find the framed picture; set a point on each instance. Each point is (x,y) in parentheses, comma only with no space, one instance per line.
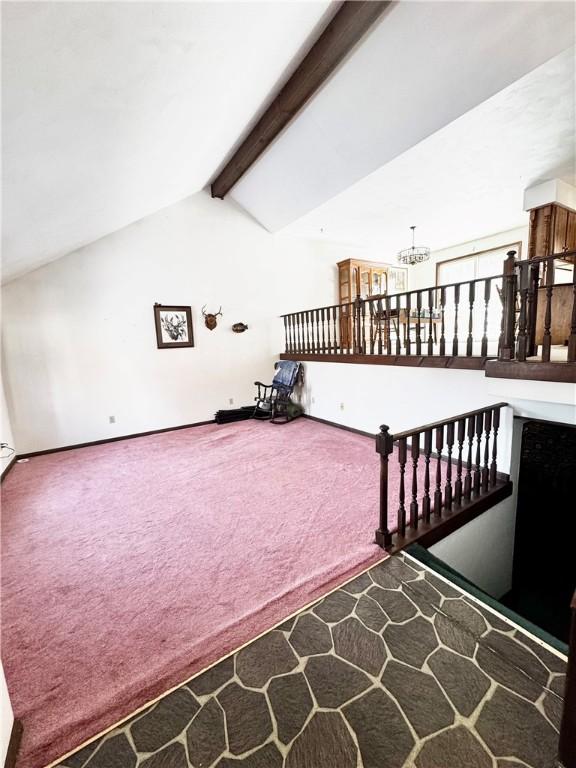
(397,279)
(173,326)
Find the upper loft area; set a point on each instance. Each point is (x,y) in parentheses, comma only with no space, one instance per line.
(478,308)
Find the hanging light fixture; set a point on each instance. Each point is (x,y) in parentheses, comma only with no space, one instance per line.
(413,255)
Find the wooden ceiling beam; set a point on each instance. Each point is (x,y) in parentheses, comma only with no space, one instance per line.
(347,27)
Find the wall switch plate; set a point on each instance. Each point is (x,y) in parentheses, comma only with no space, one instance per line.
(112,419)
(231,400)
(313,400)
(341,406)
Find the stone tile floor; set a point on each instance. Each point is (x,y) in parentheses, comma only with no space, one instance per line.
(396,668)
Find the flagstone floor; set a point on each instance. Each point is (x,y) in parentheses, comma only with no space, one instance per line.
(397,668)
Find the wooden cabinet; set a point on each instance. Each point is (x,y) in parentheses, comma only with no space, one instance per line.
(361,278)
(552,230)
(358,278)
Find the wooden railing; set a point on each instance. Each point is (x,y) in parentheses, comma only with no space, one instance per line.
(452,468)
(567,745)
(538,312)
(457,320)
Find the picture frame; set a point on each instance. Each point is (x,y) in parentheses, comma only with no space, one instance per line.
(173,326)
(397,279)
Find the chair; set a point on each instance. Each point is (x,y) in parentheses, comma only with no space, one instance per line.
(273,400)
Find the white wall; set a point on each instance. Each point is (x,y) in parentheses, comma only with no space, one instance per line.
(488,566)
(424,275)
(79,339)
(405,397)
(6,434)
(6,717)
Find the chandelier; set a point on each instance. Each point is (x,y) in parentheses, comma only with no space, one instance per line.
(413,255)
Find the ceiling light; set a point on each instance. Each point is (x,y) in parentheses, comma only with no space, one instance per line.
(413,255)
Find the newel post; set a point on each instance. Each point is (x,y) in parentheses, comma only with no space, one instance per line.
(384,446)
(508,308)
(567,745)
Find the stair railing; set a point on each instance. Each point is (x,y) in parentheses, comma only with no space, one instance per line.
(451,466)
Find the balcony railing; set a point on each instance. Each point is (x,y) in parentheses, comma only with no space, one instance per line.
(539,312)
(524,315)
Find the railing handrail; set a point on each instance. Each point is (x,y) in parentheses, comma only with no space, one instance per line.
(384,296)
(540,259)
(442,422)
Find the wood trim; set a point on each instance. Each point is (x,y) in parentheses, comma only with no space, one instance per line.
(339,426)
(414,361)
(350,23)
(437,529)
(113,439)
(479,253)
(14,744)
(8,467)
(533,370)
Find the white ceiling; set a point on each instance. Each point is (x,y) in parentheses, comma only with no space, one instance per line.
(466,180)
(422,66)
(114,110)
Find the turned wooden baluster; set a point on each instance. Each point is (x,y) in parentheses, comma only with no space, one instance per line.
(456,303)
(335,311)
(401,524)
(324,331)
(418,325)
(298,342)
(448,484)
(468,477)
(430,324)
(478,469)
(442,324)
(532,307)
(318,344)
(486,467)
(484,346)
(547,339)
(438,491)
(371,332)
(572,339)
(470,339)
(362,349)
(407,340)
(286,342)
(387,326)
(308,345)
(427,454)
(458,484)
(379,321)
(522,319)
(328,330)
(384,446)
(415,454)
(398,340)
(291,345)
(496,425)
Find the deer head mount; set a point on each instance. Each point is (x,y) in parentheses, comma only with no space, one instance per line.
(210,320)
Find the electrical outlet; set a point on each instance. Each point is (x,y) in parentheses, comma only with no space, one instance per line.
(313,400)
(341,406)
(112,419)
(231,400)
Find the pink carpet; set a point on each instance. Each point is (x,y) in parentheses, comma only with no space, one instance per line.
(129,567)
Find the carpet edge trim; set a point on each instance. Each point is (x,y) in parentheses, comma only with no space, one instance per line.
(305,607)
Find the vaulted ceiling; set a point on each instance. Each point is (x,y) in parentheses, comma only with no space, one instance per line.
(113,111)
